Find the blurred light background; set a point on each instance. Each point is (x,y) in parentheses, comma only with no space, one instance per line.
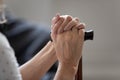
(101,57)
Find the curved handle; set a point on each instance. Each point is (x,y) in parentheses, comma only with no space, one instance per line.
(89,35)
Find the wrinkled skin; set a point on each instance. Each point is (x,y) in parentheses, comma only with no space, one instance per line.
(68,44)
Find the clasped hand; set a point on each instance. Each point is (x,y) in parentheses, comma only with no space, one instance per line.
(68,36)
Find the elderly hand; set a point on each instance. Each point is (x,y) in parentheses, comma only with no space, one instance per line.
(68,36)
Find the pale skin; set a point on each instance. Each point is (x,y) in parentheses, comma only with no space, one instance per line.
(66,48)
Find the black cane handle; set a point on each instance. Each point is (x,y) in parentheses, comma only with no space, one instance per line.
(89,35)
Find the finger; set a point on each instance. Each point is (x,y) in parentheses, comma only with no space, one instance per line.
(55,19)
(72,24)
(75,30)
(66,21)
(82,33)
(80,26)
(57,25)
(53,37)
(77,19)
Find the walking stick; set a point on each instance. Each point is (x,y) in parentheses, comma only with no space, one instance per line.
(88,36)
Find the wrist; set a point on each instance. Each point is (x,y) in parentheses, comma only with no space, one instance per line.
(65,72)
(70,68)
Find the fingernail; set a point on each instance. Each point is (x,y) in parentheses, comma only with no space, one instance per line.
(57,14)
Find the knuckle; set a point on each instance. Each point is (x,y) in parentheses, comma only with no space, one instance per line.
(69,18)
(83,24)
(76,19)
(74,22)
(61,19)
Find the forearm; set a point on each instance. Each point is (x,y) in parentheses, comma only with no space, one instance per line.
(39,65)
